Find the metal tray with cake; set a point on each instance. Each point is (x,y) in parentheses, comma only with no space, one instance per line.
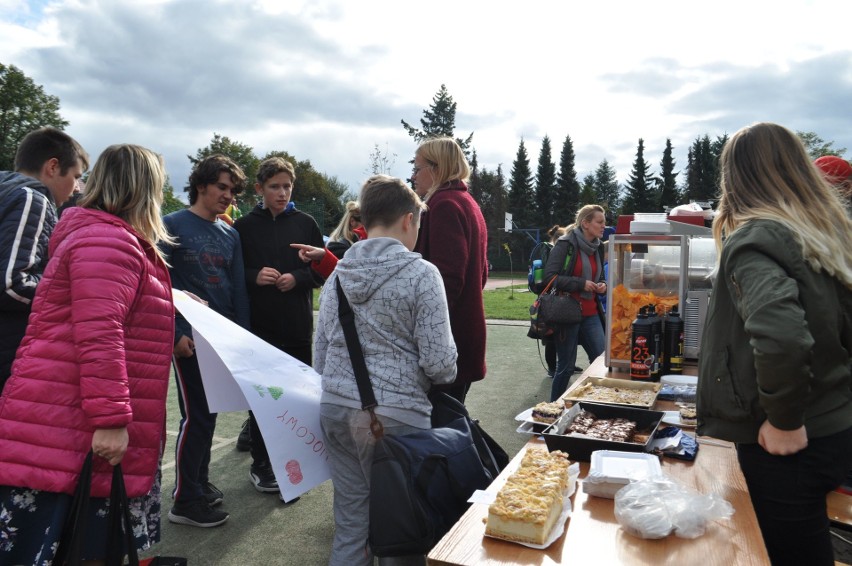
(611,391)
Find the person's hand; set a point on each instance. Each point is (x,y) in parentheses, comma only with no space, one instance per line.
(267,276)
(286,283)
(185,347)
(195,297)
(590,286)
(782,442)
(600,288)
(110,444)
(309,253)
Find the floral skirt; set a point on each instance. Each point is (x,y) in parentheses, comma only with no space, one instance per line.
(31,524)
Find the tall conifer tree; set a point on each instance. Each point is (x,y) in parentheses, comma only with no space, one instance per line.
(521,198)
(545,185)
(567,200)
(638,190)
(669,195)
(607,192)
(439,120)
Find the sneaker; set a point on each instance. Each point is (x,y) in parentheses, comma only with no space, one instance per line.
(244,439)
(263,478)
(196,513)
(212,494)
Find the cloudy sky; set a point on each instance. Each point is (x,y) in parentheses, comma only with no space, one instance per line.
(327,80)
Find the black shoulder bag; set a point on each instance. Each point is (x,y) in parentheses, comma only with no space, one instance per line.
(419,482)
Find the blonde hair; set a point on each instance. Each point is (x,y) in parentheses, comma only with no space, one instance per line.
(127,181)
(447,160)
(585,213)
(344,228)
(766,174)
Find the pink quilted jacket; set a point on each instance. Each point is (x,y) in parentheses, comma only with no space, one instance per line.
(96,355)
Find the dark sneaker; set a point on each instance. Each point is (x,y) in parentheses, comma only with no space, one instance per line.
(263,478)
(244,439)
(196,513)
(212,494)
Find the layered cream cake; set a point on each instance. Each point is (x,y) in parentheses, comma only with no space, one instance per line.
(529,504)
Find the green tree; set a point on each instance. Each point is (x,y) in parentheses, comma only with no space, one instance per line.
(817,147)
(667,181)
(170,202)
(521,198)
(545,186)
(639,192)
(474,183)
(607,192)
(702,177)
(439,120)
(243,155)
(588,195)
(567,199)
(24,107)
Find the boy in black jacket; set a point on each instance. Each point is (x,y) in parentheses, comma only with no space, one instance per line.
(280,285)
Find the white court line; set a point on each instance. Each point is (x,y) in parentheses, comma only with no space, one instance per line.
(218,442)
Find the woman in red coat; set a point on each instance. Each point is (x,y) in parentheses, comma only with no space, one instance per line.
(453,236)
(92,372)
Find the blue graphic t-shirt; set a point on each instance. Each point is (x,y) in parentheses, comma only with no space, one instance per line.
(207,260)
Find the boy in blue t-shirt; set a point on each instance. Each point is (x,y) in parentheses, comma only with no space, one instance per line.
(207,261)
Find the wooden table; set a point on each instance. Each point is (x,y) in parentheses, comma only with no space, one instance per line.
(593,536)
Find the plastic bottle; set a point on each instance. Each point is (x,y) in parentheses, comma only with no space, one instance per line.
(673,343)
(656,343)
(538,272)
(640,350)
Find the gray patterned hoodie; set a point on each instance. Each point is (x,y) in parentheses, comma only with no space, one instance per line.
(403,324)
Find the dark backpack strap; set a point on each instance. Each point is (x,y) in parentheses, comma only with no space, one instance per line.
(356,353)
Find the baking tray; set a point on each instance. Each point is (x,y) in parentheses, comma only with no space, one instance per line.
(581,448)
(575,394)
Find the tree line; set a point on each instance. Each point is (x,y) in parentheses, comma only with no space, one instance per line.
(537,199)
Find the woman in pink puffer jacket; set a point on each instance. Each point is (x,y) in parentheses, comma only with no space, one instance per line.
(92,372)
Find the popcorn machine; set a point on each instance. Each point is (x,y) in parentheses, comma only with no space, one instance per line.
(663,270)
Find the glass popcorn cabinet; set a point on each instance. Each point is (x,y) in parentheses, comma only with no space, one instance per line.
(659,270)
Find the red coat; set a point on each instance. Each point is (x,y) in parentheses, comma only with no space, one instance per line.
(96,355)
(453,236)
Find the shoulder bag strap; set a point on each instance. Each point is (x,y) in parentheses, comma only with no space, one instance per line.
(356,355)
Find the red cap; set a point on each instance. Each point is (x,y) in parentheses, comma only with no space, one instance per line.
(834,169)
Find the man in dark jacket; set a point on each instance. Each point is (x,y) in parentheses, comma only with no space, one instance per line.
(48,164)
(280,285)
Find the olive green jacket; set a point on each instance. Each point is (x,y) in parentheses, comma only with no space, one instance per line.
(776,343)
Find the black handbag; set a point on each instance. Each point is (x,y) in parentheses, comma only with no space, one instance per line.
(558,308)
(419,482)
(120,536)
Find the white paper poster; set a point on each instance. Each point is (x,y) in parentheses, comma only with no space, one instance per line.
(240,371)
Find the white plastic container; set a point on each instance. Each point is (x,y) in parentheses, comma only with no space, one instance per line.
(610,470)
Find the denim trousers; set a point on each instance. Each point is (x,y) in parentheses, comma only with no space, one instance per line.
(589,334)
(350,445)
(788,494)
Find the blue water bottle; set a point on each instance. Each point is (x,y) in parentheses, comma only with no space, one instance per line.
(538,272)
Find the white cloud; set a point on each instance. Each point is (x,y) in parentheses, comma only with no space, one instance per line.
(326,80)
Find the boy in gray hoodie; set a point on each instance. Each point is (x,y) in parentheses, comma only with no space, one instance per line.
(403,323)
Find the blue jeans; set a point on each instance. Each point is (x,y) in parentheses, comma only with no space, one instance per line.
(788,494)
(590,335)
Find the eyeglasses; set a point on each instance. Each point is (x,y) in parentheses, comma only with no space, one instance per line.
(417,169)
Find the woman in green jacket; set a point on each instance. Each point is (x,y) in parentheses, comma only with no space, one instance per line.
(775,374)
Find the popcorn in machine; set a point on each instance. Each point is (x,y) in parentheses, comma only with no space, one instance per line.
(662,270)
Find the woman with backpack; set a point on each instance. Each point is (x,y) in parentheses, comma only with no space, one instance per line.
(577,263)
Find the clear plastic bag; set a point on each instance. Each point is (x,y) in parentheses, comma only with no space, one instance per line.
(655,507)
